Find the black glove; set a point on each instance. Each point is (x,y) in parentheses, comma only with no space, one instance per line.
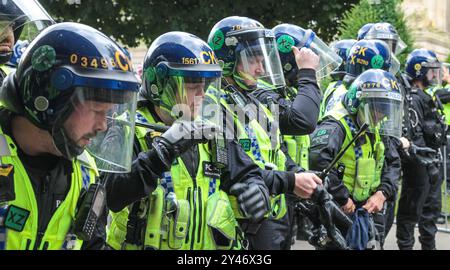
(253,200)
(181,136)
(423,155)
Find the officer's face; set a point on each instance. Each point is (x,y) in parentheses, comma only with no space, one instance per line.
(194,97)
(253,68)
(6,40)
(87,119)
(434,76)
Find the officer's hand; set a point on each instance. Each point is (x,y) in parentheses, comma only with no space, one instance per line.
(181,136)
(405,143)
(446,77)
(423,151)
(306,58)
(253,200)
(375,202)
(305,184)
(349,207)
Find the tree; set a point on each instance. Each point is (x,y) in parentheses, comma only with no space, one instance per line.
(133,21)
(371,11)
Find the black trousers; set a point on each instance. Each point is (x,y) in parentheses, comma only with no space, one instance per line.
(275,234)
(420,202)
(390,215)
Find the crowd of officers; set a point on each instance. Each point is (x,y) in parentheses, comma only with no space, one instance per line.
(224,143)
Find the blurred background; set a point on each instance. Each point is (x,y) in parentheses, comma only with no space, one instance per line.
(135,23)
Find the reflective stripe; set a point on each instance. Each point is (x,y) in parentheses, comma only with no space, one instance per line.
(254,144)
(140,118)
(212,186)
(357,149)
(3,210)
(4,149)
(85,177)
(166,182)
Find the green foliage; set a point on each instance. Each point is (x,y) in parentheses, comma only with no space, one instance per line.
(132,21)
(386,11)
(448,59)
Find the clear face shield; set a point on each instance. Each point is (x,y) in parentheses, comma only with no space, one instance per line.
(102,122)
(22,20)
(395,65)
(434,74)
(446,73)
(395,43)
(191,92)
(329,59)
(382,111)
(258,64)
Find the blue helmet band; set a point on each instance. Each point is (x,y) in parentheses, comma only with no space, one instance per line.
(195,70)
(234,37)
(67,77)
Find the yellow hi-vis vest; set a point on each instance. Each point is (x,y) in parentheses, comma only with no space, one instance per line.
(298,146)
(258,145)
(203,218)
(363,164)
(6,70)
(331,98)
(18,230)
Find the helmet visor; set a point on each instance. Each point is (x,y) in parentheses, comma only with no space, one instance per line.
(329,59)
(394,41)
(102,122)
(395,65)
(25,18)
(382,111)
(184,97)
(258,64)
(434,76)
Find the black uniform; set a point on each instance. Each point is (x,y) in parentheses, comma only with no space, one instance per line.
(405,88)
(51,178)
(296,117)
(324,148)
(124,189)
(420,199)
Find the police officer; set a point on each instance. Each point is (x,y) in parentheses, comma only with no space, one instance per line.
(362,32)
(420,199)
(444,95)
(15,15)
(290,40)
(188,208)
(341,48)
(251,65)
(367,173)
(364,55)
(62,99)
(386,32)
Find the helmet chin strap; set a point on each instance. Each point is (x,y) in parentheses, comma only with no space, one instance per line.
(4,57)
(68,148)
(239,78)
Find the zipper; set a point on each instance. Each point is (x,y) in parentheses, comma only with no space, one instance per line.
(199,214)
(27,247)
(188,198)
(194,203)
(42,208)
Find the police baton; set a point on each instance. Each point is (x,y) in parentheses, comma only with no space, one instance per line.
(322,175)
(155,127)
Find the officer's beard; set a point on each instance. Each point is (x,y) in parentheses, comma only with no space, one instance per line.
(61,138)
(65,145)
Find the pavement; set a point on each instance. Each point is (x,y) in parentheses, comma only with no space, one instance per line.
(442,241)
